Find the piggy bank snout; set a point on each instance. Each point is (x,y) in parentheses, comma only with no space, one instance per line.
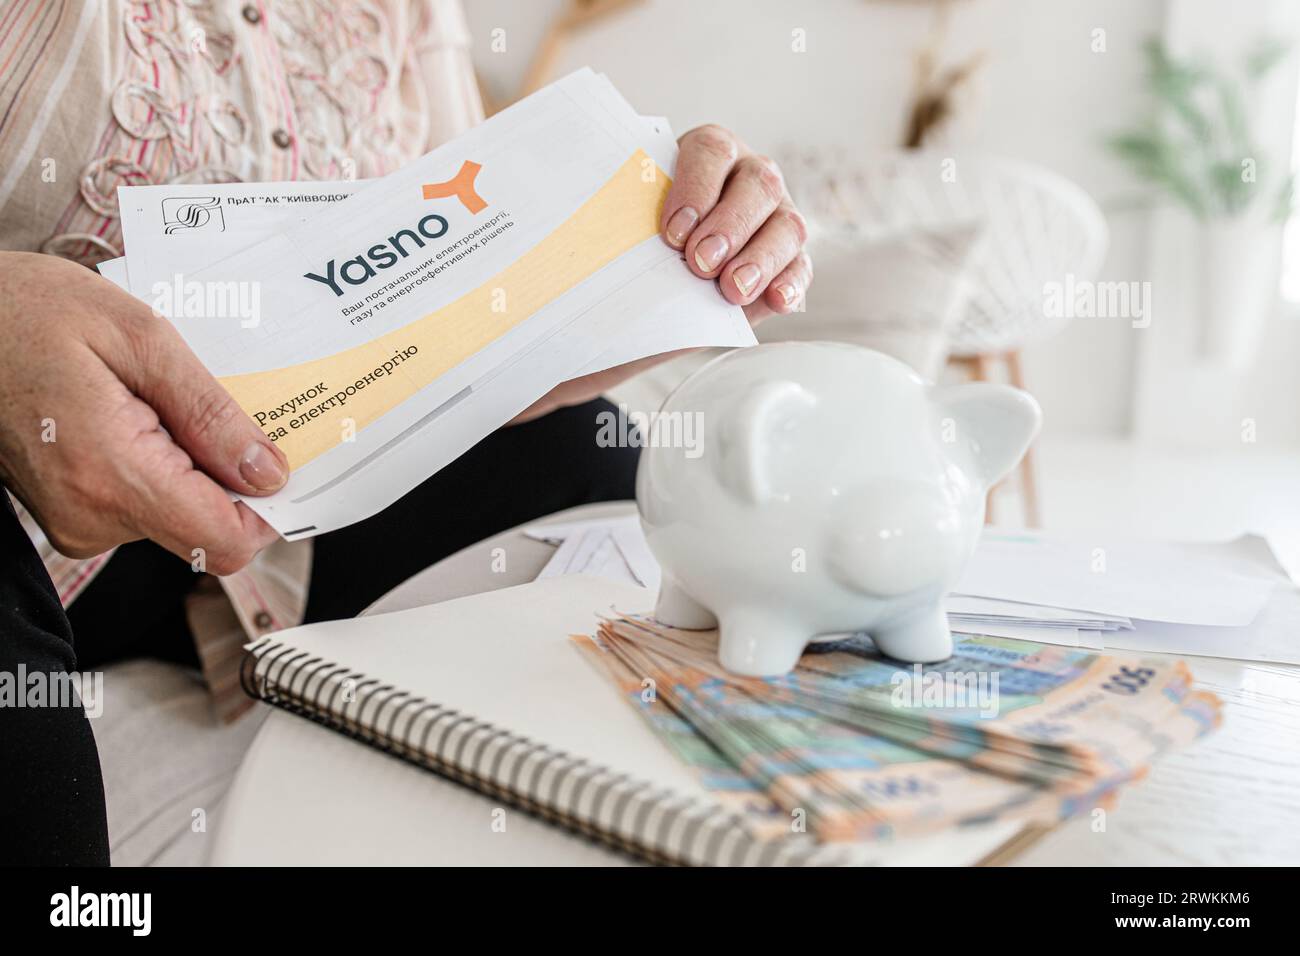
(897,536)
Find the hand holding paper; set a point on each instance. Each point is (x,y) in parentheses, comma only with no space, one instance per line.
(113,430)
(385,333)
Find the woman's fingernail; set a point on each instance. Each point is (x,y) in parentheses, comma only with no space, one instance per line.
(680,226)
(261,468)
(788,293)
(746,277)
(710,252)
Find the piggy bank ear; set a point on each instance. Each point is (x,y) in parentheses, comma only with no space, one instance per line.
(755,455)
(995,423)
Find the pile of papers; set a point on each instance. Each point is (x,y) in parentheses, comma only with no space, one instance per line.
(1229,599)
(377,330)
(853,746)
(615,548)
(1221,599)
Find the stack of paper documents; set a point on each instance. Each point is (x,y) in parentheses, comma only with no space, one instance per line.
(377,330)
(1016,619)
(1228,599)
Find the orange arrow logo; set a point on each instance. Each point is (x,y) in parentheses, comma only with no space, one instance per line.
(461,186)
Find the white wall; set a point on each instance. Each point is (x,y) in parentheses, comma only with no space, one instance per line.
(1043,96)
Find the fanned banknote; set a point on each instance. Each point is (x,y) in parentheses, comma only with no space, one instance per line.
(852,745)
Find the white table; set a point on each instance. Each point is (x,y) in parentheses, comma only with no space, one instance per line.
(1233,798)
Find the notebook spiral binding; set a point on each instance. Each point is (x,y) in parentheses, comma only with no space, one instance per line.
(707,834)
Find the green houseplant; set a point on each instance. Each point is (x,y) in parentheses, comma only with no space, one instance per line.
(1201,152)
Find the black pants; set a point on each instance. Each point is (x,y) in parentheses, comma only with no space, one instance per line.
(51,790)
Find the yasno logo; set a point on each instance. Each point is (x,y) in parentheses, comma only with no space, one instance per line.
(361,268)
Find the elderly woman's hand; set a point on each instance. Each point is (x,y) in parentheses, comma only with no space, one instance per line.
(729,213)
(111,430)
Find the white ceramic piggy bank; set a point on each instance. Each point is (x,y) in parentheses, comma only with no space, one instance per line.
(827,489)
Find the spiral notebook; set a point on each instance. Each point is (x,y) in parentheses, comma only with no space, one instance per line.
(487,691)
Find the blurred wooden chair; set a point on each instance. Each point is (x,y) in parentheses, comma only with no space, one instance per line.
(1038,228)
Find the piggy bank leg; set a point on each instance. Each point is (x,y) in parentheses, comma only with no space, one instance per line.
(676,608)
(922,638)
(757,643)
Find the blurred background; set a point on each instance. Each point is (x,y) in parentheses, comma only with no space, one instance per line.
(1091,197)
